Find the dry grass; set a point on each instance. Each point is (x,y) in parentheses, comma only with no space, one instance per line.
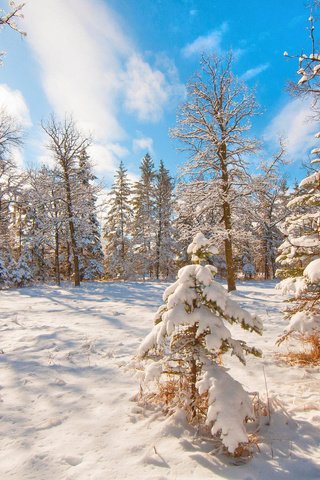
(171,395)
(308,355)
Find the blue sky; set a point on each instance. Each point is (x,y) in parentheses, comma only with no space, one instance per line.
(120,66)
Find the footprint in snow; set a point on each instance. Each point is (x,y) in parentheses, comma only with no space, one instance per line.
(73,461)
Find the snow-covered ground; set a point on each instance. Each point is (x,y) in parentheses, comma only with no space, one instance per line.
(67,400)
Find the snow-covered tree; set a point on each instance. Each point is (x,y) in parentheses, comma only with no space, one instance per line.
(299,256)
(47,211)
(89,232)
(66,144)
(165,234)
(212,126)
(20,273)
(187,341)
(266,211)
(143,228)
(10,18)
(4,274)
(308,85)
(118,255)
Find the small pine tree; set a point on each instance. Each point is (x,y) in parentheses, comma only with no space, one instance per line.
(4,274)
(186,343)
(300,256)
(20,272)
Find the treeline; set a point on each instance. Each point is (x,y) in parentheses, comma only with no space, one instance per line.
(49,223)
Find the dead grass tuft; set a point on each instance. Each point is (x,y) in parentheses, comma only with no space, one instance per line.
(308,355)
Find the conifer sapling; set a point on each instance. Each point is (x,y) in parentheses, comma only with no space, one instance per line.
(186,344)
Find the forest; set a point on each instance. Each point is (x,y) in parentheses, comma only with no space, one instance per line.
(182,308)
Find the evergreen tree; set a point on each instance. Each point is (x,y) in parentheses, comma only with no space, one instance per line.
(165,244)
(118,225)
(89,236)
(20,273)
(4,274)
(143,231)
(300,255)
(186,343)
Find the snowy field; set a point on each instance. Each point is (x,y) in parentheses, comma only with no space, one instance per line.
(67,408)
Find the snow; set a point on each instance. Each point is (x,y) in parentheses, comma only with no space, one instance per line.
(312,180)
(304,322)
(303,79)
(312,271)
(68,408)
(229,406)
(199,245)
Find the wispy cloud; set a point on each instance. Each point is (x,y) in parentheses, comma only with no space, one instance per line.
(253,72)
(93,70)
(78,58)
(210,42)
(142,143)
(294,124)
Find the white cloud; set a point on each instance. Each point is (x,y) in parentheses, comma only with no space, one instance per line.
(142,143)
(13,102)
(91,69)
(146,89)
(79,59)
(253,72)
(205,43)
(293,123)
(105,156)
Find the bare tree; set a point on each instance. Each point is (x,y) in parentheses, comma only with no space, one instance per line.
(10,17)
(212,126)
(66,144)
(309,65)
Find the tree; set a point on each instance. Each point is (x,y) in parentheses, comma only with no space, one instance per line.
(9,18)
(143,231)
(20,272)
(212,126)
(47,208)
(308,84)
(299,255)
(4,274)
(267,211)
(89,228)
(66,143)
(118,227)
(182,352)
(165,244)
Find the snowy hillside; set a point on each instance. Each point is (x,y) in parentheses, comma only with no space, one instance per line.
(67,400)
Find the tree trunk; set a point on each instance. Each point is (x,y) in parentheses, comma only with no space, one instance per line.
(193,373)
(227,221)
(158,251)
(56,258)
(73,241)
